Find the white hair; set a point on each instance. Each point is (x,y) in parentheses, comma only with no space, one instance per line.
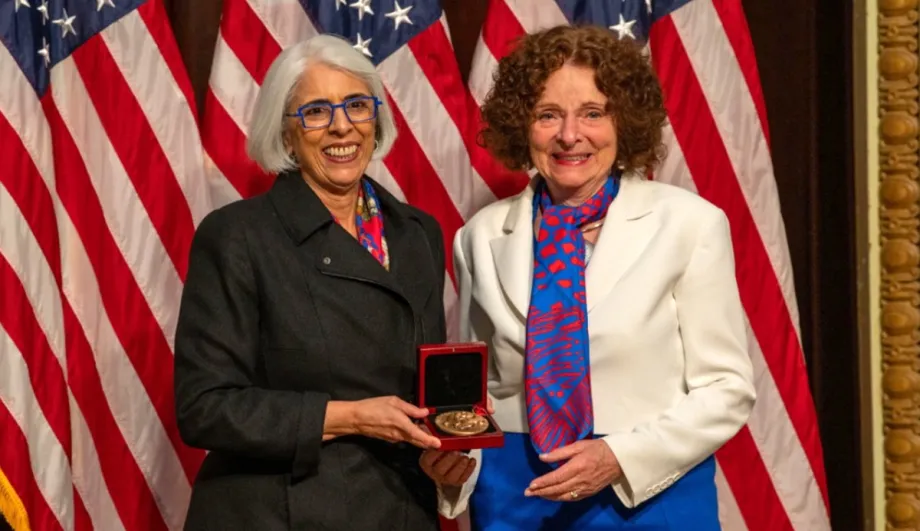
(265,144)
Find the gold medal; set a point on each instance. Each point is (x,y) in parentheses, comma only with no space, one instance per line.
(461,423)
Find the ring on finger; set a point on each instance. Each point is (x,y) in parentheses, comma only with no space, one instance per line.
(573,495)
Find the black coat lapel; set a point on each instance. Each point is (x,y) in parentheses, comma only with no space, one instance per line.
(336,253)
(340,255)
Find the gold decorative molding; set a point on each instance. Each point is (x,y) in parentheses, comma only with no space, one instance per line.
(899,226)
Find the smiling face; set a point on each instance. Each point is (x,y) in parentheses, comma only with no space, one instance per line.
(573,138)
(333,157)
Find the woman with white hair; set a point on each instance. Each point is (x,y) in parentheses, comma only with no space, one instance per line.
(300,317)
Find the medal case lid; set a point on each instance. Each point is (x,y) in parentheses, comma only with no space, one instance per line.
(453,375)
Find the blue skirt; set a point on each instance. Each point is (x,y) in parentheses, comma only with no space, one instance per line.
(498,502)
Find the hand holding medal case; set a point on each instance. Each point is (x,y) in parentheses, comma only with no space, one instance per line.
(452,385)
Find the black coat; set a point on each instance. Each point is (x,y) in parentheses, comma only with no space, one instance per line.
(283,311)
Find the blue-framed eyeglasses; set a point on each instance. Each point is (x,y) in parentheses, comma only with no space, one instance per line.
(319,115)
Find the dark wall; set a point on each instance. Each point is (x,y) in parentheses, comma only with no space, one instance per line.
(803,49)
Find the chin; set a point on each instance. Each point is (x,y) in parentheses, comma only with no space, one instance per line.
(571,180)
(345,178)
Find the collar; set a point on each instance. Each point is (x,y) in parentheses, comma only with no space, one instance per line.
(633,200)
(302,213)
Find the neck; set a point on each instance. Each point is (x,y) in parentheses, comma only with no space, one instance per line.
(574,196)
(341,202)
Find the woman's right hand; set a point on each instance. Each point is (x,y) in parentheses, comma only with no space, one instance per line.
(447,469)
(391,419)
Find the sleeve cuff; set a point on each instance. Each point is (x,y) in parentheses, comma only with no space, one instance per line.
(622,486)
(451,507)
(637,484)
(309,435)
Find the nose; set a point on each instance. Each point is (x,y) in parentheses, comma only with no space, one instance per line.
(569,132)
(340,122)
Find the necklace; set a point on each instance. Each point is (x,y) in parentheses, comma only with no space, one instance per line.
(591,226)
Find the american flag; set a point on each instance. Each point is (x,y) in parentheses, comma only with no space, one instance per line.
(771,475)
(107,179)
(103,183)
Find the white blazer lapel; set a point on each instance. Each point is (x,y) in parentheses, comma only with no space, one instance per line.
(513,252)
(625,234)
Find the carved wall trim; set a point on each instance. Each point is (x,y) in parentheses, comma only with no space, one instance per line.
(899,225)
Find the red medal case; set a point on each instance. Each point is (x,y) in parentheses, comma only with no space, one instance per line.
(453,377)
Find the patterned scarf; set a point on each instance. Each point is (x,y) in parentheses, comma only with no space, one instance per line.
(556,370)
(369,224)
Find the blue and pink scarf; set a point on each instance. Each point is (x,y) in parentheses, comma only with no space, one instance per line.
(557,377)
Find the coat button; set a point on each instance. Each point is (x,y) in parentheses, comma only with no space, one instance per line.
(327,260)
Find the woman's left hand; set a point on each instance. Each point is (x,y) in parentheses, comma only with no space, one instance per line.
(590,466)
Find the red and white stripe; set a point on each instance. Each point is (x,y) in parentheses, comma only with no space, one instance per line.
(771,476)
(105,187)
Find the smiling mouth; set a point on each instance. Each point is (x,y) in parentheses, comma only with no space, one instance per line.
(341,153)
(574,158)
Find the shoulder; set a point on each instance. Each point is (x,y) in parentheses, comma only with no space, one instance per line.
(429,223)
(430,227)
(488,221)
(493,214)
(679,205)
(683,220)
(691,224)
(228,223)
(396,206)
(679,199)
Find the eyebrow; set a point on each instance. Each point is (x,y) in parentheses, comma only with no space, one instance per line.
(325,100)
(583,105)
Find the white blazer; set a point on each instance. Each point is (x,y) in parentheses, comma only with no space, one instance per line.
(671,379)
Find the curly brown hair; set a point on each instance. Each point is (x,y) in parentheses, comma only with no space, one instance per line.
(622,73)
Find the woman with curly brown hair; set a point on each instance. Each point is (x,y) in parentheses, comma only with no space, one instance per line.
(618,355)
